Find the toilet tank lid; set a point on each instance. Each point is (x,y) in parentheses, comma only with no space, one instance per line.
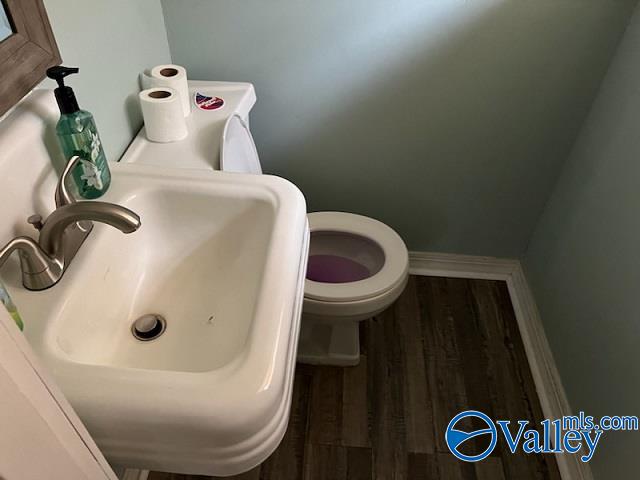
(238,151)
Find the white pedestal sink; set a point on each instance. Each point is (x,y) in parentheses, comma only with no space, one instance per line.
(222,258)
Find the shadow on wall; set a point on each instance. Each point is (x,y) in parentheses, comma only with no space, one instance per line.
(447,120)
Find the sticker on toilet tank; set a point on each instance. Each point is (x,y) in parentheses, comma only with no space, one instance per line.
(205,102)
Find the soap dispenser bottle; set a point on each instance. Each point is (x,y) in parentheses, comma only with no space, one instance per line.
(78,135)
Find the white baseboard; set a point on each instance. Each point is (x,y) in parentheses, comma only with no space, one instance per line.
(553,398)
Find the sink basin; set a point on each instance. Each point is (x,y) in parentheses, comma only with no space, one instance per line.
(221,257)
(197,261)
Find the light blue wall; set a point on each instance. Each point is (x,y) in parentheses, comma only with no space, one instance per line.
(111,41)
(447,119)
(584,262)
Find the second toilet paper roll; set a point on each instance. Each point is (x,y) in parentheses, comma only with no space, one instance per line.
(163,115)
(172,76)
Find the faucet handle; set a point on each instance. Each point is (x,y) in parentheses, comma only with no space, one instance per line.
(63,195)
(36,221)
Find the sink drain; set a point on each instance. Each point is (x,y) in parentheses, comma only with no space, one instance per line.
(149,327)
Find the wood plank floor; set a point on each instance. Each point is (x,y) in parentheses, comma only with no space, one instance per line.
(445,346)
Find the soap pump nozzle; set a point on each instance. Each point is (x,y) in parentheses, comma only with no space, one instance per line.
(64,95)
(58,73)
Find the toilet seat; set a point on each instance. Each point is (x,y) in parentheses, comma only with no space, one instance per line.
(238,151)
(393,270)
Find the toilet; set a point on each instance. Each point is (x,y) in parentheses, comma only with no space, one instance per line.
(357,266)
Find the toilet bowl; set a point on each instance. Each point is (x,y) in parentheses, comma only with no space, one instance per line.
(357,266)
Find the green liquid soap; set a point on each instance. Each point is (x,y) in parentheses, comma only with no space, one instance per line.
(78,135)
(5,299)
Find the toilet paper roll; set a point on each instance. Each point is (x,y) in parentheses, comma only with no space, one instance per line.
(172,76)
(163,116)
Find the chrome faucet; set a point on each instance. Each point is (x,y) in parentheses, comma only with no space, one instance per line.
(44,262)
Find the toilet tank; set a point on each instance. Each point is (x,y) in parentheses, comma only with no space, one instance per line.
(211,131)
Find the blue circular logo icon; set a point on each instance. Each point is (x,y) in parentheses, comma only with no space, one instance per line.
(455,437)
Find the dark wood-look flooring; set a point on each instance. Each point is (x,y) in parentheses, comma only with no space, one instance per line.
(445,346)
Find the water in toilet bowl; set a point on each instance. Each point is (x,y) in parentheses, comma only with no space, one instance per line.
(335,269)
